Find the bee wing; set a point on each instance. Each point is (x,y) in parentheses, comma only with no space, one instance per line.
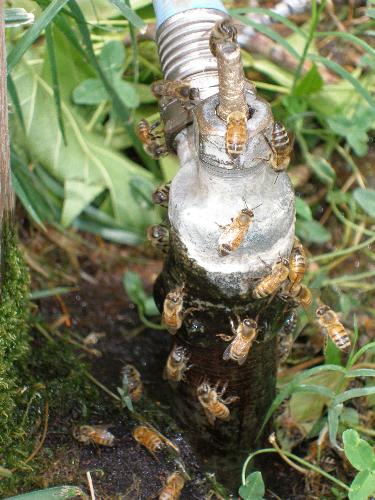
(227,352)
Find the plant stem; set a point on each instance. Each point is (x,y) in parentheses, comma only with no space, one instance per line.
(343,251)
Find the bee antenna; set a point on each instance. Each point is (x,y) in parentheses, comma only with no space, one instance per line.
(257,206)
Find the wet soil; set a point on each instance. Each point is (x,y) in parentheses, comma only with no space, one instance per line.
(126,470)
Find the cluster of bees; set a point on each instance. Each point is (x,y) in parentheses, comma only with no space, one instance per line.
(284,278)
(145,435)
(236,123)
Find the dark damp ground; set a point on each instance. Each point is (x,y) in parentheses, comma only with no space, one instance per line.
(127,471)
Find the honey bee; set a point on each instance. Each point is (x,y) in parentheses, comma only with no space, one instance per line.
(234,233)
(236,135)
(158,236)
(96,434)
(176,89)
(148,438)
(300,293)
(272,282)
(173,316)
(150,141)
(172,489)
(177,364)
(161,195)
(242,340)
(285,337)
(222,31)
(212,401)
(281,148)
(297,263)
(331,325)
(134,381)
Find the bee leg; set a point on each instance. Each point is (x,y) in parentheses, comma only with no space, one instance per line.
(233,328)
(226,338)
(154,125)
(265,263)
(230,399)
(223,389)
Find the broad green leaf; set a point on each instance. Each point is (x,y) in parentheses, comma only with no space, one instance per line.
(363,486)
(33,32)
(108,233)
(358,451)
(78,195)
(366,200)
(254,488)
(312,231)
(303,209)
(112,58)
(310,83)
(50,292)
(322,169)
(354,131)
(90,92)
(85,158)
(128,13)
(55,493)
(134,287)
(12,91)
(127,92)
(150,307)
(5,472)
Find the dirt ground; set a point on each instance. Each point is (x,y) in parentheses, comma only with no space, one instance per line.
(128,471)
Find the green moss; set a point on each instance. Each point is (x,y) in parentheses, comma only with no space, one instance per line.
(14,343)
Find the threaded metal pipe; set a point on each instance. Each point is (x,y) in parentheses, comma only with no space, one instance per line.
(183,48)
(231,80)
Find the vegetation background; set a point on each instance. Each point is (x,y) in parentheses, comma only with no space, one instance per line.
(78,82)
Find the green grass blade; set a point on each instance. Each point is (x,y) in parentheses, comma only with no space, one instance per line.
(353,393)
(266,30)
(61,492)
(344,74)
(34,31)
(61,22)
(51,292)
(315,389)
(15,100)
(361,351)
(361,372)
(55,79)
(135,52)
(270,13)
(15,17)
(24,199)
(128,13)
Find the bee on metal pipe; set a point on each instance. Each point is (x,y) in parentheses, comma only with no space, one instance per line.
(234,233)
(236,134)
(212,401)
(285,337)
(161,195)
(173,487)
(158,236)
(151,141)
(273,281)
(173,315)
(132,377)
(94,434)
(177,364)
(332,327)
(177,89)
(297,263)
(299,293)
(241,341)
(280,146)
(223,31)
